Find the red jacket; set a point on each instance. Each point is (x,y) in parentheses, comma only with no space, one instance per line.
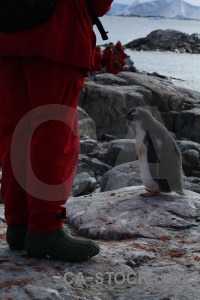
(117,61)
(67,37)
(97,60)
(107,55)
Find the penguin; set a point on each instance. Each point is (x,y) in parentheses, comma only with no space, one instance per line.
(159,157)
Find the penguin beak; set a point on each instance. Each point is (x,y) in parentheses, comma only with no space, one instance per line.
(123,118)
(126,118)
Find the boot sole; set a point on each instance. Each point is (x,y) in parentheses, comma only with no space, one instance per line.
(16,247)
(47,256)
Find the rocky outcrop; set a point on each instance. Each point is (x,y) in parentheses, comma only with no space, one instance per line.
(111,159)
(106,103)
(167,40)
(126,214)
(149,250)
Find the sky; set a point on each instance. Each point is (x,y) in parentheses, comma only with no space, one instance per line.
(193,2)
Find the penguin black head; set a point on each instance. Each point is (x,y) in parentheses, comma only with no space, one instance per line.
(135,114)
(130,116)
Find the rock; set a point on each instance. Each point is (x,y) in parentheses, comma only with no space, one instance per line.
(166,96)
(196,173)
(187,125)
(159,260)
(91,165)
(191,157)
(191,164)
(121,176)
(83,184)
(169,119)
(107,137)
(187,168)
(105,105)
(87,145)
(109,79)
(87,127)
(117,152)
(167,40)
(192,183)
(123,214)
(188,145)
(108,102)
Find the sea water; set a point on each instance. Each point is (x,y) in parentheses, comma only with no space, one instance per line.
(183,66)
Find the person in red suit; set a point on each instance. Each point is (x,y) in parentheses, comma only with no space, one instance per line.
(117,59)
(97,60)
(42,71)
(107,54)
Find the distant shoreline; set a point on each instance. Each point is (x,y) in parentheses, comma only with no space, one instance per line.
(152,17)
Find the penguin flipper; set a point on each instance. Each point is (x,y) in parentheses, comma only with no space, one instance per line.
(152,156)
(154,161)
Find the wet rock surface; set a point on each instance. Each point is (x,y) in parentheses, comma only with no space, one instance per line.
(123,213)
(149,250)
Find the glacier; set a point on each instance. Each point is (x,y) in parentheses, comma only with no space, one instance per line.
(172,9)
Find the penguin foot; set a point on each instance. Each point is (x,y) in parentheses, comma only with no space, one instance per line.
(149,194)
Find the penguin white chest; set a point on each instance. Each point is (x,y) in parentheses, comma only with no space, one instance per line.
(142,150)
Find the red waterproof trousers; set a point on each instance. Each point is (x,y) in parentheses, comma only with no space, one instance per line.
(27,84)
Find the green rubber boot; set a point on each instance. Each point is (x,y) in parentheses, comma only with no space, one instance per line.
(15,237)
(59,244)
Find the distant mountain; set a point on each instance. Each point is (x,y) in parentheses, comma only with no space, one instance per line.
(172,9)
(116,8)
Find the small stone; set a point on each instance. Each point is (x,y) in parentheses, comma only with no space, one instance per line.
(191,157)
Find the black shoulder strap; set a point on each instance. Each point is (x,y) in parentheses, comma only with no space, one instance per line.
(96,20)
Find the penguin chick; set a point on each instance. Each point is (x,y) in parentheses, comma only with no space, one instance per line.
(159,156)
